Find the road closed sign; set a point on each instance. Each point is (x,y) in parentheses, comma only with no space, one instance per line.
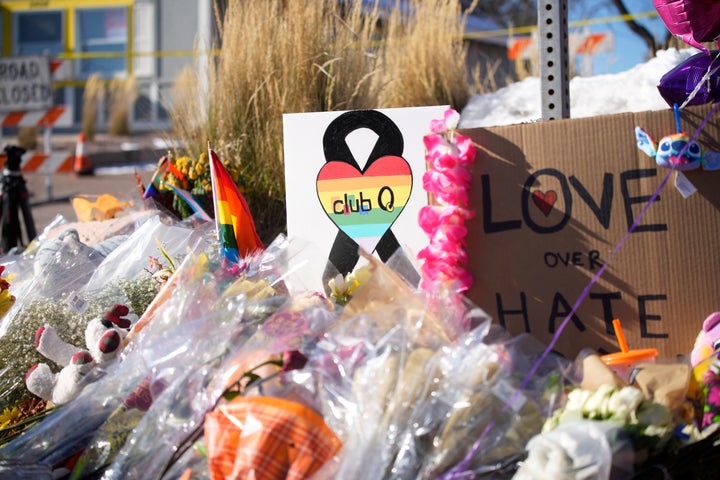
(25,83)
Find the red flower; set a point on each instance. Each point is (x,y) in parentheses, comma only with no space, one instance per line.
(292,360)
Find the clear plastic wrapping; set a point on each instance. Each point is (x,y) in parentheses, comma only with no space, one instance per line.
(64,283)
(398,384)
(580,449)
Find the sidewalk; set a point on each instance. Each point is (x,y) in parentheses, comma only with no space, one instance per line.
(111,150)
(115,159)
(65,186)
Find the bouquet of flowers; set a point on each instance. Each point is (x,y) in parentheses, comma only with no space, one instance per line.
(69,283)
(231,368)
(179,177)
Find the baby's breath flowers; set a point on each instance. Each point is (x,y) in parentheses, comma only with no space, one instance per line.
(17,345)
(139,292)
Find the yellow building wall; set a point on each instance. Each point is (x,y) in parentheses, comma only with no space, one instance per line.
(7,8)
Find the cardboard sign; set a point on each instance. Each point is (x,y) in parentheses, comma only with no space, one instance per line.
(354,179)
(554,202)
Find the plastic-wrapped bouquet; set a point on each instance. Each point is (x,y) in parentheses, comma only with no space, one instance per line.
(69,284)
(137,410)
(409,394)
(606,432)
(179,179)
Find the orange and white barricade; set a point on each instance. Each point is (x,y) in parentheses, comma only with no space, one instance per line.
(59,116)
(47,163)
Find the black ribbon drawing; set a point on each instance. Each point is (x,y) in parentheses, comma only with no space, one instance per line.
(344,253)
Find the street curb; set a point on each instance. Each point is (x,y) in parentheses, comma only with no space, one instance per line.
(125,157)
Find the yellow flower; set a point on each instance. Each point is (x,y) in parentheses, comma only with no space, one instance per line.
(6,301)
(357,278)
(341,289)
(9,277)
(203,160)
(201,266)
(9,416)
(182,164)
(192,173)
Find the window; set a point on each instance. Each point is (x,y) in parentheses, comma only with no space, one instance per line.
(144,41)
(102,31)
(38,32)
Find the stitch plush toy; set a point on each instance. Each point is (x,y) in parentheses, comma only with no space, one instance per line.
(103,339)
(667,152)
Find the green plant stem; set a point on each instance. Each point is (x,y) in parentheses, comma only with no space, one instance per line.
(26,423)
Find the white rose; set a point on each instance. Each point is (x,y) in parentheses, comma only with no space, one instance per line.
(546,459)
(597,405)
(624,402)
(576,399)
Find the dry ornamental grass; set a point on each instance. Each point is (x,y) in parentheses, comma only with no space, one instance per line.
(309,56)
(122,93)
(93,94)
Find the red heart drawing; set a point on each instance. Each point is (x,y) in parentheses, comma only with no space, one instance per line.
(544,201)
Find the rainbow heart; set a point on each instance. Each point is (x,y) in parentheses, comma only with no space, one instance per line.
(364,205)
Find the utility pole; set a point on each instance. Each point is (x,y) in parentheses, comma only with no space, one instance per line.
(554,58)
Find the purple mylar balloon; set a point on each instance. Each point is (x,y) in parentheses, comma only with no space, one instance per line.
(676,85)
(694,21)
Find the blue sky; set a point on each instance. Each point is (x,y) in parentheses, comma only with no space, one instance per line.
(630,50)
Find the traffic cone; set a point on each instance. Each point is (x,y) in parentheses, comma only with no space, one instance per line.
(82,164)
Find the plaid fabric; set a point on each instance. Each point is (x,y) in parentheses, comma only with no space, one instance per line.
(264,438)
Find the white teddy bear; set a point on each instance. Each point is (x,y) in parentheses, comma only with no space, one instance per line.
(103,339)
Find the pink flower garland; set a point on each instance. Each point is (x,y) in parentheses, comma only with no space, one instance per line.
(447,156)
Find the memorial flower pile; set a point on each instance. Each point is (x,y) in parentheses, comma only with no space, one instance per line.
(236,369)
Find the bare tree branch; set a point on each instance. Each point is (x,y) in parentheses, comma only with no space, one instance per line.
(639,30)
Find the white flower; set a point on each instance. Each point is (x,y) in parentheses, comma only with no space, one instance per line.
(596,405)
(624,402)
(337,284)
(452,118)
(576,399)
(546,459)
